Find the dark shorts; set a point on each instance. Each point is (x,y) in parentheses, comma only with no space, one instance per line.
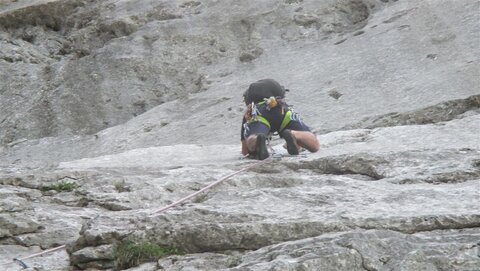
(275,118)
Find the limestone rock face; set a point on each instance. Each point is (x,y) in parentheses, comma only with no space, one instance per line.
(77,67)
(70,62)
(111,110)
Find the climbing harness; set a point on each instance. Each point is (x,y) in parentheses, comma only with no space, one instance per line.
(20,261)
(157,212)
(253,114)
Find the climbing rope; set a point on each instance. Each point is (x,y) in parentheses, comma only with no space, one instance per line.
(20,261)
(157,212)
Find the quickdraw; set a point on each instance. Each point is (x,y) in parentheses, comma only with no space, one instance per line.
(270,102)
(253,113)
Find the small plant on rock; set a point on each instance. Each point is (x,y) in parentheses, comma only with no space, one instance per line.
(122,187)
(200,198)
(60,187)
(128,253)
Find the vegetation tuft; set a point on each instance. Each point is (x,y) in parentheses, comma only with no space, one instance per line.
(200,198)
(60,187)
(122,187)
(128,254)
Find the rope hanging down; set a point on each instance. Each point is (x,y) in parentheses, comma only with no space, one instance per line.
(23,265)
(21,262)
(157,212)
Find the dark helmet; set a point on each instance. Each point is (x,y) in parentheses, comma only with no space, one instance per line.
(261,89)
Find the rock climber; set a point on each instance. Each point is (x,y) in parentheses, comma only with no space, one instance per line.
(267,113)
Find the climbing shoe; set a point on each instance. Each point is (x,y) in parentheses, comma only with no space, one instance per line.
(261,151)
(291,141)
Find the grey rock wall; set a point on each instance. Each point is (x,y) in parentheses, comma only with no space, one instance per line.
(110,110)
(97,65)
